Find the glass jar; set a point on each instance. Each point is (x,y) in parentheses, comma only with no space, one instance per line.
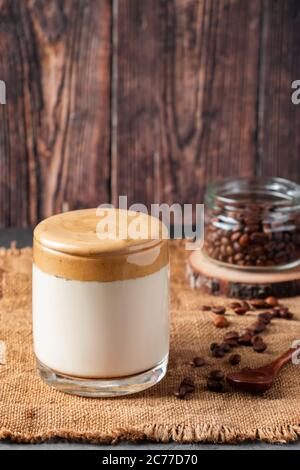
(253,223)
(100,302)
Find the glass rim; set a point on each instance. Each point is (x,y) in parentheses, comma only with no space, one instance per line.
(288,192)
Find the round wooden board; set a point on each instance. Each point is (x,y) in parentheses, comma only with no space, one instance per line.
(214,279)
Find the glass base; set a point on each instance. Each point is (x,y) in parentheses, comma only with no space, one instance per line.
(103,387)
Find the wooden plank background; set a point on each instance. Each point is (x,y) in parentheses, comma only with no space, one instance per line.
(150,99)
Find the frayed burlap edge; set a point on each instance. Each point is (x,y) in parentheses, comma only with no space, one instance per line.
(164,434)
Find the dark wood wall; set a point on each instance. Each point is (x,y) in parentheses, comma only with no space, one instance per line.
(148,98)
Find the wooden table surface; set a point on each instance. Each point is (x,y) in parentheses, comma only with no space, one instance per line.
(24,238)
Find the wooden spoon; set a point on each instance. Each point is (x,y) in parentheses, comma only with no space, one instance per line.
(261,379)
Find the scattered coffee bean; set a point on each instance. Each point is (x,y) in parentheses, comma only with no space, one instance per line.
(226,347)
(259,346)
(259,303)
(281,311)
(235,359)
(189,383)
(218,310)
(235,305)
(218,353)
(272,301)
(198,362)
(240,311)
(206,308)
(231,335)
(276,311)
(266,317)
(215,386)
(246,305)
(213,346)
(186,386)
(245,339)
(247,331)
(181,394)
(221,322)
(216,375)
(255,339)
(284,313)
(233,343)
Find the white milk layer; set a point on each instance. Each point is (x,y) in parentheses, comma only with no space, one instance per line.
(100,329)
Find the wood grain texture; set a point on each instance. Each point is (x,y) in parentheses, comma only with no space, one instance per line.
(279,136)
(152,102)
(188,73)
(55,128)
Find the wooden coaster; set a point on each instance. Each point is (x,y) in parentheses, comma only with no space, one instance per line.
(211,278)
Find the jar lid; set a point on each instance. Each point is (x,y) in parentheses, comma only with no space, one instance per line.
(100,244)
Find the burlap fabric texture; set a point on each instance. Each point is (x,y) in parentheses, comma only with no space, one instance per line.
(31,411)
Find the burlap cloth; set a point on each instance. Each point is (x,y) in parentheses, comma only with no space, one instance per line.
(31,411)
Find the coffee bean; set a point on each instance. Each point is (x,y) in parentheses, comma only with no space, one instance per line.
(188,381)
(238,257)
(233,343)
(198,362)
(235,359)
(206,308)
(226,347)
(231,335)
(247,331)
(216,375)
(283,312)
(186,386)
(270,247)
(215,386)
(229,251)
(246,305)
(251,228)
(259,303)
(259,346)
(237,247)
(276,312)
(240,311)
(218,353)
(266,317)
(245,339)
(224,241)
(235,236)
(218,310)
(255,339)
(213,346)
(258,237)
(272,301)
(181,393)
(244,240)
(221,322)
(235,305)
(277,235)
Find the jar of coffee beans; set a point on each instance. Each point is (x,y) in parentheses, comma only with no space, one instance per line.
(253,223)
